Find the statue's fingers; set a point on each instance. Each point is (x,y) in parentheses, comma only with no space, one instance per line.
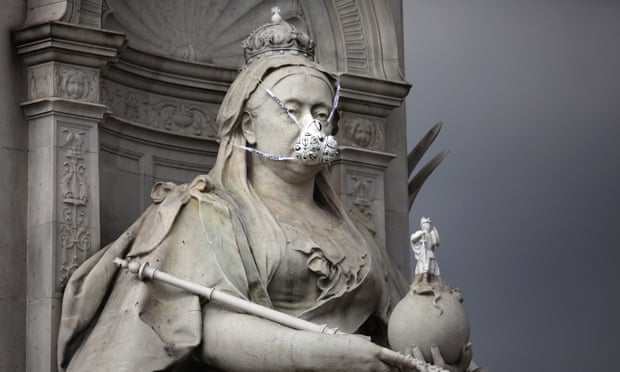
(437,358)
(466,356)
(416,352)
(409,350)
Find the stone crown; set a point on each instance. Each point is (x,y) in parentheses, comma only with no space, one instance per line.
(277,38)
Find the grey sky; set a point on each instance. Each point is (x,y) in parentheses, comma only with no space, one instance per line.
(528,201)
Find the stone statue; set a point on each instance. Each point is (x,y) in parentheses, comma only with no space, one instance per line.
(423,243)
(264,225)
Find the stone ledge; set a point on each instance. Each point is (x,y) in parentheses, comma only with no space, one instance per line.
(65,42)
(368,158)
(45,106)
(368,95)
(131,131)
(172,77)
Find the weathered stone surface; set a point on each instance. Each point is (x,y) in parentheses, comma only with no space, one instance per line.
(13,204)
(13,339)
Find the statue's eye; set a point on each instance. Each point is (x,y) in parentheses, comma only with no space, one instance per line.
(320,114)
(292,108)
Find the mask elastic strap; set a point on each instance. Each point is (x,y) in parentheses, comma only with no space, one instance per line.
(264,154)
(334,103)
(258,152)
(278,102)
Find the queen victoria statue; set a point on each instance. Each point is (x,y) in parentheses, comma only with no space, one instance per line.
(263,225)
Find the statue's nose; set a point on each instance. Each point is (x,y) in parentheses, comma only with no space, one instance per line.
(305,116)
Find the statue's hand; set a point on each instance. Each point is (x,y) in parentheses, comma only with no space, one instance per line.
(352,353)
(461,366)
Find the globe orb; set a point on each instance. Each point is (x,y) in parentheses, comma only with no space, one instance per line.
(424,320)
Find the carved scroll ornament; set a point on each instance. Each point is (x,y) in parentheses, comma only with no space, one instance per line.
(74,227)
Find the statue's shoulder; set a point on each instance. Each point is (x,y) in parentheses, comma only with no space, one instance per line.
(170,200)
(167,193)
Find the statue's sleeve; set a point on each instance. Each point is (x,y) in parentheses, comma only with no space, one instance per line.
(113,321)
(87,289)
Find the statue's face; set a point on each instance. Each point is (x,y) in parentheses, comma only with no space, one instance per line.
(362,134)
(308,96)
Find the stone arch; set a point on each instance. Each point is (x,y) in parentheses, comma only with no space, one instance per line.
(84,12)
(352,35)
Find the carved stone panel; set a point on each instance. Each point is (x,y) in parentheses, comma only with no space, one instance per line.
(40,81)
(361,195)
(77,83)
(362,131)
(163,113)
(74,211)
(358,178)
(54,79)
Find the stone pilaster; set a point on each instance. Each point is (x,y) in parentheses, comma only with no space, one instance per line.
(359,173)
(64,63)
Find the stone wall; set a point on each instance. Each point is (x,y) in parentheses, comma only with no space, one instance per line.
(13,204)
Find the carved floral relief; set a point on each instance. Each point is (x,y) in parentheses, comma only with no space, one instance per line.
(361,196)
(74,237)
(55,79)
(173,115)
(40,81)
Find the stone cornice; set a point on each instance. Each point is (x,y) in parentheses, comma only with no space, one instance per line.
(173,77)
(136,133)
(68,107)
(373,96)
(65,42)
(367,158)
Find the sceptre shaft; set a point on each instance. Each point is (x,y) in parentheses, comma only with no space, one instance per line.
(145,272)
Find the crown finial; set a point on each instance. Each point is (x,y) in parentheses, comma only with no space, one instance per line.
(275,15)
(277,38)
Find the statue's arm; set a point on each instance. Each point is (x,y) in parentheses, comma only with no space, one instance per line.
(416,236)
(234,341)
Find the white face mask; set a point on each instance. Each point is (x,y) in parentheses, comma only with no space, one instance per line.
(313,146)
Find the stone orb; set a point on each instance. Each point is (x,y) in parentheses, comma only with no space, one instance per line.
(416,320)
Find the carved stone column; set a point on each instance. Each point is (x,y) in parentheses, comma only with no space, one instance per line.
(63,111)
(359,173)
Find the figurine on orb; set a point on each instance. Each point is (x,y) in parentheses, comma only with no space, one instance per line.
(423,243)
(431,315)
(426,278)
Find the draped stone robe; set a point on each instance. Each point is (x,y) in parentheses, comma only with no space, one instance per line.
(111,321)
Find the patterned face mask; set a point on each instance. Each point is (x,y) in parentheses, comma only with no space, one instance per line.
(313,146)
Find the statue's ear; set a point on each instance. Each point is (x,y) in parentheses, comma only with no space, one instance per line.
(247,126)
